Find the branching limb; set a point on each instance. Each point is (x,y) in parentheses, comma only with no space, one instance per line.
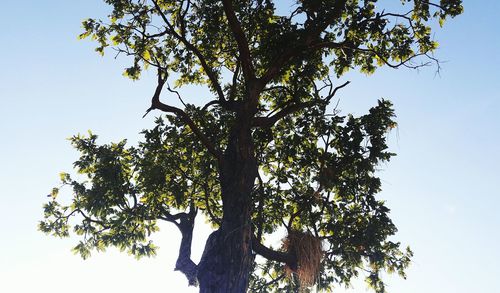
(185,223)
(405,62)
(227,105)
(273,281)
(157,104)
(295,107)
(230,104)
(177,94)
(241,40)
(311,34)
(182,38)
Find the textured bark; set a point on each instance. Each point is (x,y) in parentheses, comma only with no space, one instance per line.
(227,261)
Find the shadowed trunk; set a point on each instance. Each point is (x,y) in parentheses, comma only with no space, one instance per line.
(227,260)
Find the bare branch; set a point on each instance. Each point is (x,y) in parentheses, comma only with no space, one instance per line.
(177,93)
(273,281)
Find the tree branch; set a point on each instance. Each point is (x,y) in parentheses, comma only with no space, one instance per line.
(311,33)
(241,40)
(287,110)
(184,263)
(405,62)
(274,255)
(157,104)
(210,73)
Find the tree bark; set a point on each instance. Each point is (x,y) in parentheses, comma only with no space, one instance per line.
(227,261)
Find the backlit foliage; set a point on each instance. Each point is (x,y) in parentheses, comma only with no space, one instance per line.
(317,167)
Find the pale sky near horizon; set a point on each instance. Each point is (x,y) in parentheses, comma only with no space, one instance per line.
(442,187)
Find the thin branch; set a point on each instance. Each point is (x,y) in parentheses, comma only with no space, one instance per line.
(232,91)
(434,5)
(405,62)
(211,103)
(273,281)
(177,93)
(290,109)
(157,104)
(208,69)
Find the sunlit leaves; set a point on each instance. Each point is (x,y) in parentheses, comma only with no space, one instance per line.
(125,190)
(318,169)
(364,36)
(320,176)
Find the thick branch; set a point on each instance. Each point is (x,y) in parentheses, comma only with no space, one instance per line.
(274,255)
(241,40)
(184,263)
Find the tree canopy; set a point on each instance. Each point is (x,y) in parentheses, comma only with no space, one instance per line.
(265,150)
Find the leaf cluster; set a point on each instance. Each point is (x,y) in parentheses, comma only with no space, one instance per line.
(319,175)
(194,40)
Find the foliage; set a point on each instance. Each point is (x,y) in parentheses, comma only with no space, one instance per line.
(269,68)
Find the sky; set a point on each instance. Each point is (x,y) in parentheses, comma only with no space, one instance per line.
(442,188)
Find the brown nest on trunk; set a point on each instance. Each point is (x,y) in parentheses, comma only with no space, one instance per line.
(309,252)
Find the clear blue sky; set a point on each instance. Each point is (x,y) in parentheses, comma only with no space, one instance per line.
(443,187)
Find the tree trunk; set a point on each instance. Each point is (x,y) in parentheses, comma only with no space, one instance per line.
(227,261)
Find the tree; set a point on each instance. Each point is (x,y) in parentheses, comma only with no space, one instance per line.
(267,152)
